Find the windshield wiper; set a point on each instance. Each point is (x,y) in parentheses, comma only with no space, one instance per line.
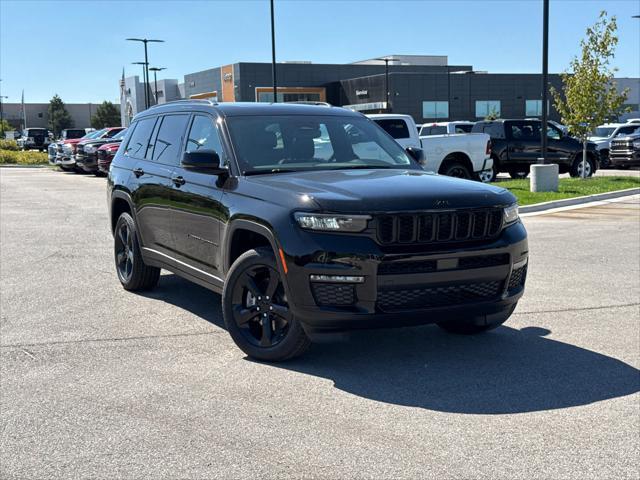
(265,172)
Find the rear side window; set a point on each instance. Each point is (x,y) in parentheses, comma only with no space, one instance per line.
(437,130)
(168,142)
(140,138)
(464,128)
(395,128)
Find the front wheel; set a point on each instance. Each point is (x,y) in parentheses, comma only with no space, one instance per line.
(256,310)
(576,168)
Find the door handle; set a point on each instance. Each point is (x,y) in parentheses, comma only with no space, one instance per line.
(178,181)
(138,172)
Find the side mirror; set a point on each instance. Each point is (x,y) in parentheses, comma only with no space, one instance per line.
(207,161)
(416,153)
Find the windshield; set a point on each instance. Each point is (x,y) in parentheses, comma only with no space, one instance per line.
(119,135)
(604,131)
(95,134)
(269,144)
(35,131)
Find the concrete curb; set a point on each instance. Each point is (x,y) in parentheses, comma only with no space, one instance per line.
(568,202)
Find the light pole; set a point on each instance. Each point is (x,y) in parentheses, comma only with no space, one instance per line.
(545,78)
(144,68)
(2,117)
(386,61)
(273,56)
(155,70)
(146,61)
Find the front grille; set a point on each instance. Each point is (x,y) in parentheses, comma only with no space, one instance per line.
(621,145)
(438,227)
(518,276)
(428,297)
(427,266)
(333,294)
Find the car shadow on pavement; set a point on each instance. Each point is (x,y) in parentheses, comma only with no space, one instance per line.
(503,371)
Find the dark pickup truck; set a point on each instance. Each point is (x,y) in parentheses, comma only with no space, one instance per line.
(515,146)
(625,151)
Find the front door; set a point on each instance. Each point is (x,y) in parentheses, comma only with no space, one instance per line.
(198,211)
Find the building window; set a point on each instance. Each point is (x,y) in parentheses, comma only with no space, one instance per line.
(289,97)
(533,108)
(432,109)
(39,114)
(484,108)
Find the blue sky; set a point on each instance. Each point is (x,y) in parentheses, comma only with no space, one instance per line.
(77,48)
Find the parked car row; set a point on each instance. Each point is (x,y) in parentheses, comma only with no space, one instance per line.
(604,135)
(89,153)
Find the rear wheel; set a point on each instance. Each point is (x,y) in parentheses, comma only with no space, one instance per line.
(133,273)
(256,311)
(456,169)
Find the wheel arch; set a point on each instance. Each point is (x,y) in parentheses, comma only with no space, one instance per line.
(243,235)
(456,157)
(120,202)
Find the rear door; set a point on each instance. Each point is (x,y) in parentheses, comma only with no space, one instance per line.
(524,141)
(197,208)
(152,187)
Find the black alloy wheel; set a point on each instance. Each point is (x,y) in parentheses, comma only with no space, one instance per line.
(124,252)
(256,311)
(133,273)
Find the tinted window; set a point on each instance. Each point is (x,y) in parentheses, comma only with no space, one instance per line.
(395,128)
(113,132)
(463,128)
(203,136)
(74,134)
(626,130)
(266,144)
(437,130)
(169,140)
(139,141)
(525,130)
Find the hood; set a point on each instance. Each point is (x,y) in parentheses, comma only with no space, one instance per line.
(97,141)
(110,145)
(71,141)
(598,140)
(374,190)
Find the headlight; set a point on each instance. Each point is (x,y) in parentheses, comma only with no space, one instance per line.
(332,223)
(511,214)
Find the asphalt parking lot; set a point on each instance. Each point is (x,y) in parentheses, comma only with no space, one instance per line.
(99,382)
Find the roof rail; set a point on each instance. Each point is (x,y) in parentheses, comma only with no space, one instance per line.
(311,102)
(186,100)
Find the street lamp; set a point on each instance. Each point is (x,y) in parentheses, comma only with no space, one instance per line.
(155,70)
(144,67)
(2,117)
(273,56)
(386,61)
(146,61)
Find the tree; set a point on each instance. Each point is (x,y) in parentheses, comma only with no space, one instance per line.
(589,94)
(107,115)
(4,127)
(59,118)
(492,115)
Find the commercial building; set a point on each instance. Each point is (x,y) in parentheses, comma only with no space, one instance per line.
(426,87)
(132,95)
(37,114)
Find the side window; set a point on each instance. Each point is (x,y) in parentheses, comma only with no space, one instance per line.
(203,135)
(553,133)
(139,142)
(168,142)
(626,130)
(395,128)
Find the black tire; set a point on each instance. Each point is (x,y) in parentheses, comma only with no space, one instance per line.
(473,327)
(456,169)
(132,272)
(605,161)
(518,174)
(65,168)
(576,167)
(246,305)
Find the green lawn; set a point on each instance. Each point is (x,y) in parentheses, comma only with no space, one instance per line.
(568,188)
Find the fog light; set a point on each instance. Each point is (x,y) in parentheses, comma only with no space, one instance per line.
(336,278)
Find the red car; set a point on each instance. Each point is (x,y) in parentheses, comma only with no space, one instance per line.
(106,153)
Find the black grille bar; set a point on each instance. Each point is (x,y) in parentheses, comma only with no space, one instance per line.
(439,227)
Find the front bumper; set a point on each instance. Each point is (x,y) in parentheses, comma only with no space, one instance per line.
(460,285)
(68,161)
(627,158)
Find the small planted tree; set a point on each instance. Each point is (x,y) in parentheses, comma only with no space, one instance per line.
(59,117)
(107,115)
(589,95)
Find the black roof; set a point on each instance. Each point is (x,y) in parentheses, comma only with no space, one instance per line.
(234,109)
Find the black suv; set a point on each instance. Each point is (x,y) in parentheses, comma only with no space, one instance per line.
(311,221)
(516,145)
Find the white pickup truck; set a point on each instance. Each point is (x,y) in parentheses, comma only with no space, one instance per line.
(456,155)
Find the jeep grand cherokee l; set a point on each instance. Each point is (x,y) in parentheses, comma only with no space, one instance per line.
(309,220)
